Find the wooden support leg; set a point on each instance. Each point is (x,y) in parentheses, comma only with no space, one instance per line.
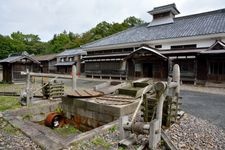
(155,134)
(123,134)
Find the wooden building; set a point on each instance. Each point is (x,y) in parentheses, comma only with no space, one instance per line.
(147,62)
(195,42)
(47,63)
(67,58)
(14,64)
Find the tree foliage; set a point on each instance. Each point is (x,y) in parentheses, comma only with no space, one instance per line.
(18,42)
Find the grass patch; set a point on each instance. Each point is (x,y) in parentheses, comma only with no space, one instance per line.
(11,130)
(8,102)
(67,130)
(113,129)
(11,87)
(99,141)
(8,128)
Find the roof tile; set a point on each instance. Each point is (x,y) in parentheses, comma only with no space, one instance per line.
(193,25)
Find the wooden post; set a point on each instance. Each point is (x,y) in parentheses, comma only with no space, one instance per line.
(123,120)
(176,78)
(74,78)
(28,91)
(155,135)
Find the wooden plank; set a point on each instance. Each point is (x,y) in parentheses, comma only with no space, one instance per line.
(120,97)
(168,141)
(83,93)
(48,75)
(114,99)
(91,92)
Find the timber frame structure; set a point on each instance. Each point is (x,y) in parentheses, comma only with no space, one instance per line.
(195,42)
(14,64)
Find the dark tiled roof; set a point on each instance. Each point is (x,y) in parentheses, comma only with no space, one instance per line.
(13,59)
(165,8)
(147,49)
(194,25)
(72,52)
(45,57)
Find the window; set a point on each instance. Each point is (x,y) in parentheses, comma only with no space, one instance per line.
(190,46)
(164,14)
(70,59)
(158,46)
(61,59)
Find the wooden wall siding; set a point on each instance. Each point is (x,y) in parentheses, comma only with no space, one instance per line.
(52,67)
(216,78)
(44,68)
(12,72)
(7,72)
(105,67)
(17,68)
(202,69)
(64,69)
(130,65)
(152,66)
(160,70)
(216,68)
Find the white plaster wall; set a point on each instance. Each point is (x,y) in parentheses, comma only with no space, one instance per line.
(200,43)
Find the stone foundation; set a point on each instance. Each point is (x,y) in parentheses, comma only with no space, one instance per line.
(86,114)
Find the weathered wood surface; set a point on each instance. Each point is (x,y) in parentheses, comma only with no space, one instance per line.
(115,100)
(48,75)
(168,141)
(81,93)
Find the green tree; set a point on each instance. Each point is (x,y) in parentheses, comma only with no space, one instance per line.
(18,42)
(5,46)
(132,21)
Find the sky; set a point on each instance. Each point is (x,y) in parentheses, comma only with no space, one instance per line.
(48,17)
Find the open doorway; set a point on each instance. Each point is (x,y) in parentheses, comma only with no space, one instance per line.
(147,70)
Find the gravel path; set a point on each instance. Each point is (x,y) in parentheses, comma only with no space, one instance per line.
(194,133)
(105,140)
(13,139)
(189,133)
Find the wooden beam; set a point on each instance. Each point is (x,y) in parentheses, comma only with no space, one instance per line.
(47,75)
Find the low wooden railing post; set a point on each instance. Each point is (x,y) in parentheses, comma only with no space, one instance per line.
(28,90)
(74,77)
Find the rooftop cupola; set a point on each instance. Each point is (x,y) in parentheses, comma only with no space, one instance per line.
(163,14)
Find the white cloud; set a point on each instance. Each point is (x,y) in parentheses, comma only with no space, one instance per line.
(48,17)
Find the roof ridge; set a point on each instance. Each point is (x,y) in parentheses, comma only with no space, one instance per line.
(119,37)
(201,14)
